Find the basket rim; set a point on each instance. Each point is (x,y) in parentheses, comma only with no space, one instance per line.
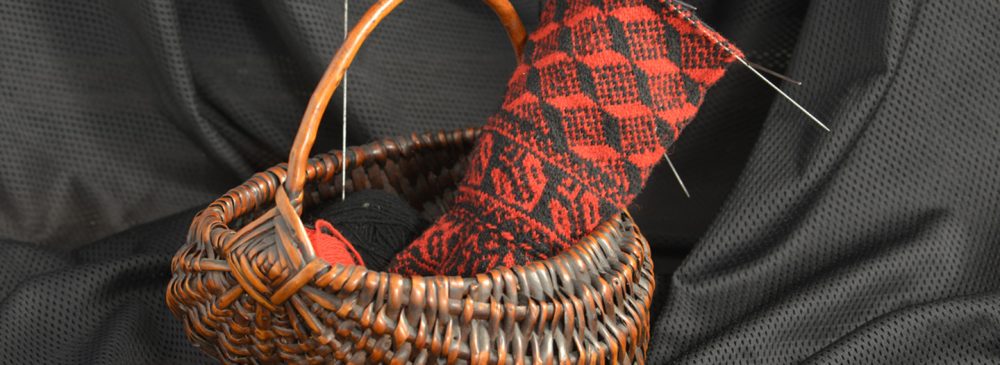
(324,166)
(609,271)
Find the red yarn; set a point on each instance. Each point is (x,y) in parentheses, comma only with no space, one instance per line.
(331,246)
(603,89)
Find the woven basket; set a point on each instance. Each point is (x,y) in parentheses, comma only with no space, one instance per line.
(250,290)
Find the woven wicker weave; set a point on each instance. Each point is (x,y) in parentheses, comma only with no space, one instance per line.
(250,289)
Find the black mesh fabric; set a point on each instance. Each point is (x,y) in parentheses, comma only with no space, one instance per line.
(101,304)
(876,243)
(120,112)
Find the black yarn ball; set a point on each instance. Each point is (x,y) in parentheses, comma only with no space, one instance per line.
(378,223)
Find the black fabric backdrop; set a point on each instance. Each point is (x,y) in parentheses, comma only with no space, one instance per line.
(876,243)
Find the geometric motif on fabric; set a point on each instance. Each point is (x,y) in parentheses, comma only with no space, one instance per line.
(604,87)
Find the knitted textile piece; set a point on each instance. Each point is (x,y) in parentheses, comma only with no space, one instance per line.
(331,246)
(603,89)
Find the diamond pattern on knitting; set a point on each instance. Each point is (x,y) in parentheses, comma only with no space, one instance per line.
(603,89)
(558,76)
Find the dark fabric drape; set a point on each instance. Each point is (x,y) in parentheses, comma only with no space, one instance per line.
(876,243)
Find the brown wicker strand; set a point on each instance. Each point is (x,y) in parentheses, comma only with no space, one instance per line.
(250,290)
(590,302)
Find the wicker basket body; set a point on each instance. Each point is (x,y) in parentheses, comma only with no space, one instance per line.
(250,289)
(245,297)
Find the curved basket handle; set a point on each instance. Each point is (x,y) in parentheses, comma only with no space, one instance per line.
(289,199)
(511,22)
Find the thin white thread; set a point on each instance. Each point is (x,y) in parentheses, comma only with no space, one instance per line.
(343,122)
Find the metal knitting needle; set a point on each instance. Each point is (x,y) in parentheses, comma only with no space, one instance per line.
(769,83)
(776,88)
(343,122)
(686,5)
(673,169)
(775,73)
(676,175)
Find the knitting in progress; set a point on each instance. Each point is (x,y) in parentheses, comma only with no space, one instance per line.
(604,87)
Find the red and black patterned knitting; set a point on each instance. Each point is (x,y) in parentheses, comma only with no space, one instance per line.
(604,87)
